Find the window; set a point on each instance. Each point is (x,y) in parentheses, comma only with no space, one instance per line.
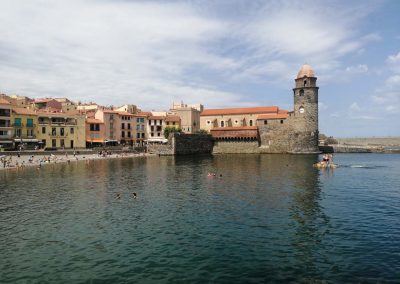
(305,83)
(94,127)
(129,134)
(123,125)
(137,120)
(5,112)
(173,123)
(265,122)
(71,131)
(17,133)
(62,143)
(137,127)
(137,135)
(53,143)
(158,134)
(301,93)
(43,130)
(29,132)
(123,134)
(208,122)
(222,123)
(53,132)
(142,135)
(62,131)
(281,121)
(17,122)
(152,134)
(167,123)
(142,120)
(142,127)
(236,122)
(251,122)
(129,126)
(29,122)
(152,128)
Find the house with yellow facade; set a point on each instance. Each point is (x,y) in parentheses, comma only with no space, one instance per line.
(24,122)
(61,130)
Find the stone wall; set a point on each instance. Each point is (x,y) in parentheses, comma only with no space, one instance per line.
(160,149)
(191,144)
(236,147)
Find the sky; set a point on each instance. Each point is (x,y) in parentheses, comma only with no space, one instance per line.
(220,53)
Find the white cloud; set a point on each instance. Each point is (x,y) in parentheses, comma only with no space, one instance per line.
(150,53)
(355,107)
(359,69)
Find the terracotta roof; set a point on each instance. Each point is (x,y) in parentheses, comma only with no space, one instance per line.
(238,128)
(144,113)
(305,71)
(280,115)
(4,102)
(235,132)
(172,118)
(246,110)
(45,100)
(93,120)
(20,110)
(118,112)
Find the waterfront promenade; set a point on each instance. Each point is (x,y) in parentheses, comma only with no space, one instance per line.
(39,159)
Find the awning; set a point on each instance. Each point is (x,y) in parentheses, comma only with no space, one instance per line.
(95,140)
(26,140)
(6,142)
(110,141)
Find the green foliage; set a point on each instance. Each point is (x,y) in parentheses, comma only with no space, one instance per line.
(171,129)
(202,132)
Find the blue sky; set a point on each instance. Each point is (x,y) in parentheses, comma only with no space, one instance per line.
(219,53)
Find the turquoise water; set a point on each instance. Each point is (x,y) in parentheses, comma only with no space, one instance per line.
(269,218)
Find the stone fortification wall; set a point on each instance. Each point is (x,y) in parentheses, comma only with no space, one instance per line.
(160,149)
(190,144)
(236,147)
(291,136)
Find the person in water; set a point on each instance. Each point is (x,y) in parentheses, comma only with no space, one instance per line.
(134,195)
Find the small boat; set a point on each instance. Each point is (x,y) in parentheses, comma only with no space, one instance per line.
(322,165)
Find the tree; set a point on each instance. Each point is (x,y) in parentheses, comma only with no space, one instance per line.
(168,130)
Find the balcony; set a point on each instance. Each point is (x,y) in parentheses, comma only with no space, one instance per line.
(17,125)
(24,136)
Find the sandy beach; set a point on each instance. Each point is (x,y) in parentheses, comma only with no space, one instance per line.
(8,162)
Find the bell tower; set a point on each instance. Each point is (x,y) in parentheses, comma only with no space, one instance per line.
(306,109)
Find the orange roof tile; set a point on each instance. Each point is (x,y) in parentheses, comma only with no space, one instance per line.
(172,118)
(26,111)
(280,115)
(238,128)
(238,111)
(4,102)
(144,114)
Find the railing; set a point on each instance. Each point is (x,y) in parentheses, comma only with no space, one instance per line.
(24,136)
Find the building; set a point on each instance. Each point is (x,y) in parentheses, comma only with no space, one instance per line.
(269,129)
(95,133)
(132,109)
(189,116)
(47,103)
(141,127)
(119,126)
(5,124)
(157,123)
(25,122)
(61,130)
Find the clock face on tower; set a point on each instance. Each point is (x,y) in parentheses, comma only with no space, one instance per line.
(301,109)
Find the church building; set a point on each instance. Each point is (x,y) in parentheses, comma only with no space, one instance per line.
(269,129)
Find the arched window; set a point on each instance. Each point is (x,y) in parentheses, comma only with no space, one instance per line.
(301,93)
(305,83)
(251,122)
(222,123)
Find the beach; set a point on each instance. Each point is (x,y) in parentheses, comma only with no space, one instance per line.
(15,162)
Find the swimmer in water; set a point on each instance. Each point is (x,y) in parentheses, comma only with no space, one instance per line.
(118,196)
(134,195)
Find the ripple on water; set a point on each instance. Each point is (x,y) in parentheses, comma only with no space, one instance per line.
(268,218)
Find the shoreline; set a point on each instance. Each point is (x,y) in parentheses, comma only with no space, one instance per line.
(41,160)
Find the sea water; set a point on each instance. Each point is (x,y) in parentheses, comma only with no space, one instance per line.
(260,218)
